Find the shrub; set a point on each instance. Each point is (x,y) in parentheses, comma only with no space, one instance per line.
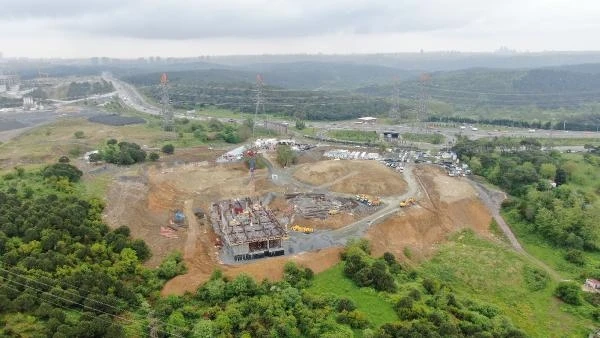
(154,156)
(168,149)
(79,134)
(568,292)
(575,256)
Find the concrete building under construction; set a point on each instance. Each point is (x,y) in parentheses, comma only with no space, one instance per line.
(248,229)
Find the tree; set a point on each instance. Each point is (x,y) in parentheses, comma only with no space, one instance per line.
(154,156)
(64,159)
(63,170)
(285,155)
(548,171)
(79,134)
(568,292)
(111,142)
(300,124)
(168,149)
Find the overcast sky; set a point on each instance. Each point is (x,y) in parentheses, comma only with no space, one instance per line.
(132,28)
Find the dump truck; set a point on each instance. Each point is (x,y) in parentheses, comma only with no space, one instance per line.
(368,200)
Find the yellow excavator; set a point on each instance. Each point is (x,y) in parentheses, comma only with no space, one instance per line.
(306,230)
(408,202)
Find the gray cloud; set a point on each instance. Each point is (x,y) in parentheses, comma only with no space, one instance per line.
(40,9)
(181,19)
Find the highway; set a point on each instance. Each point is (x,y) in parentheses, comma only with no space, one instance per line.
(131,96)
(134,99)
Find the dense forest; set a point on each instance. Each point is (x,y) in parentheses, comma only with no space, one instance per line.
(78,90)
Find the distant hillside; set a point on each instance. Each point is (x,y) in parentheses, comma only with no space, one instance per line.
(296,75)
(568,87)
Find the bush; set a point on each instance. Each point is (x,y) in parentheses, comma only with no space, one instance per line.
(64,159)
(568,292)
(575,256)
(79,134)
(172,266)
(300,124)
(154,156)
(168,149)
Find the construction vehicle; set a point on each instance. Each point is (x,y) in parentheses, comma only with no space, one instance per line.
(306,230)
(408,202)
(368,200)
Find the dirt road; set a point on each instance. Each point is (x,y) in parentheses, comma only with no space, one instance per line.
(493,201)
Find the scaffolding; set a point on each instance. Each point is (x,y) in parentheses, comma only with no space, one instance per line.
(248,229)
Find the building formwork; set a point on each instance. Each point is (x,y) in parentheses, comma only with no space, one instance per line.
(248,229)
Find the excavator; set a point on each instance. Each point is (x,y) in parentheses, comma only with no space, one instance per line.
(306,230)
(408,202)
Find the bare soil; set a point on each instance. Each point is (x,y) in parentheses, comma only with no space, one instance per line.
(352,177)
(450,204)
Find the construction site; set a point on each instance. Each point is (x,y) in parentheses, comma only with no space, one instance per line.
(223,215)
(248,229)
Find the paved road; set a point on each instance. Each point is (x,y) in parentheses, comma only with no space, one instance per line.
(131,96)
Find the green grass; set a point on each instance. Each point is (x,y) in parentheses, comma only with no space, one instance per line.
(433,138)
(478,269)
(377,308)
(354,135)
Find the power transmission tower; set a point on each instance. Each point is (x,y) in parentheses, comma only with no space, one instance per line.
(260,104)
(395,112)
(423,97)
(167,114)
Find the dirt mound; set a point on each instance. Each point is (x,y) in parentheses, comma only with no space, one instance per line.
(352,177)
(449,204)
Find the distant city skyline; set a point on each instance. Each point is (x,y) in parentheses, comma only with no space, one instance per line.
(181,28)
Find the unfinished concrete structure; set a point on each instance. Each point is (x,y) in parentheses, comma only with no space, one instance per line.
(248,229)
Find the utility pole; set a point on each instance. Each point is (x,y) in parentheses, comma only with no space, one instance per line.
(167,114)
(259,100)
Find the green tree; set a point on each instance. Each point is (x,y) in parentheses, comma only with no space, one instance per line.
(300,125)
(568,292)
(285,155)
(63,170)
(548,171)
(79,134)
(153,156)
(168,149)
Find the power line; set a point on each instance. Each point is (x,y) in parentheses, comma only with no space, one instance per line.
(65,291)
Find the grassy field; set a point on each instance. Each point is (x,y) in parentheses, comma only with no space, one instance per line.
(354,135)
(46,144)
(433,138)
(377,308)
(479,269)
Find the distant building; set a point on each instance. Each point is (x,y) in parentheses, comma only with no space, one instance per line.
(368,119)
